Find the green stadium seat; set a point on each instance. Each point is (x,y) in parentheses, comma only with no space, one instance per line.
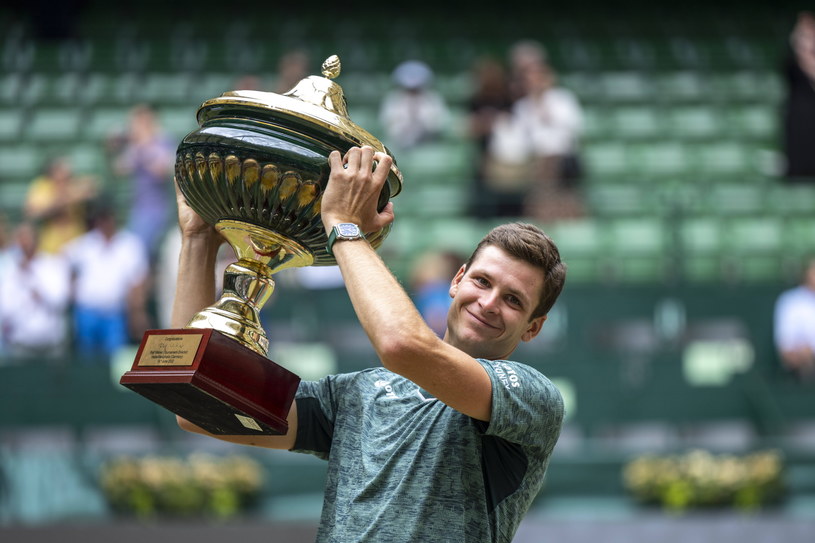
(597,125)
(617,199)
(790,200)
(606,160)
(695,122)
(20,162)
(443,162)
(755,122)
(12,198)
(178,121)
(734,198)
(724,159)
(88,159)
(626,86)
(757,86)
(54,124)
(637,122)
(167,88)
(798,240)
(700,241)
(640,248)
(11,124)
(682,86)
(582,245)
(659,159)
(753,248)
(104,121)
(367,117)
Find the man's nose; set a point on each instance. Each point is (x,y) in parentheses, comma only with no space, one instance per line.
(489,301)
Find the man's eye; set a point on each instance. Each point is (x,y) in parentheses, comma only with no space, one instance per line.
(481,281)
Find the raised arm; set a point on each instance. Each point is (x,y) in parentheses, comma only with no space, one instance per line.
(397,331)
(195,290)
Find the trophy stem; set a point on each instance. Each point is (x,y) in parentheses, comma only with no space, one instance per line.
(247,287)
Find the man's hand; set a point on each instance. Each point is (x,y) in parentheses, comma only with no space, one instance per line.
(191,224)
(353,190)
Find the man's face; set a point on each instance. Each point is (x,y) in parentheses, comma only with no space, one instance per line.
(492,304)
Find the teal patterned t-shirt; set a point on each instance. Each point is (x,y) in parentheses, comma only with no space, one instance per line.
(405,467)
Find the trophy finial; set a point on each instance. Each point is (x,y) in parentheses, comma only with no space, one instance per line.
(331,67)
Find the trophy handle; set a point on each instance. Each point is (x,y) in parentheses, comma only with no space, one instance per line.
(247,287)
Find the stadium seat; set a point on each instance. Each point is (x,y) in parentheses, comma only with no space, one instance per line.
(606,160)
(54,124)
(682,86)
(699,243)
(695,122)
(582,245)
(11,124)
(626,86)
(753,248)
(640,247)
(20,162)
(637,122)
(105,121)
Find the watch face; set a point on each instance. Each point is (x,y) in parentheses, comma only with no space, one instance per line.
(348,230)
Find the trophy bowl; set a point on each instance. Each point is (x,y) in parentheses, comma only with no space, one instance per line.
(255,169)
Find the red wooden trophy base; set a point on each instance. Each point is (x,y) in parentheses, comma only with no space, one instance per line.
(213,381)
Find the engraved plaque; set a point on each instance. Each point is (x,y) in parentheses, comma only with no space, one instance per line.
(170,350)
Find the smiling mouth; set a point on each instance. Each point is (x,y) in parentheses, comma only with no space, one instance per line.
(481,321)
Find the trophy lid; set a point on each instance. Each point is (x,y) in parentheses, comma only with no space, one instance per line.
(315,102)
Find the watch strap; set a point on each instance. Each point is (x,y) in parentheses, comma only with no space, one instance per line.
(334,235)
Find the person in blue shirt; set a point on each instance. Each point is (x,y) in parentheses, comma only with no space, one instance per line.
(449,439)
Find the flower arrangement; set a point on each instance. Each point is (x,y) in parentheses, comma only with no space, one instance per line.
(700,478)
(199,484)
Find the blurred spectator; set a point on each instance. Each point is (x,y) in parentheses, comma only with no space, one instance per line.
(248,82)
(111,274)
(490,100)
(799,106)
(146,154)
(794,323)
(430,286)
(552,119)
(291,68)
(34,297)
(524,54)
(532,165)
(412,112)
(7,252)
(57,201)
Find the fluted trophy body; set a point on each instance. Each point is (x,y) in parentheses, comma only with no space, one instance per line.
(255,169)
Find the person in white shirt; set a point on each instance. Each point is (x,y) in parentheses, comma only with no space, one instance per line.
(794,326)
(413,112)
(34,297)
(111,272)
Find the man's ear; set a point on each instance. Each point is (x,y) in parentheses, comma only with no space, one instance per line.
(456,280)
(534,328)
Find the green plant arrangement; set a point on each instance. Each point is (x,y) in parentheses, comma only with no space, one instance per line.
(699,478)
(197,485)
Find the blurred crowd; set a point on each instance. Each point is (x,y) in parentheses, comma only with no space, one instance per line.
(87,271)
(75,276)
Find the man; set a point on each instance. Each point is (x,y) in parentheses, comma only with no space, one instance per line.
(111,277)
(794,326)
(34,297)
(447,441)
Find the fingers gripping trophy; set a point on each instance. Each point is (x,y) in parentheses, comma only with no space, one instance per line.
(255,169)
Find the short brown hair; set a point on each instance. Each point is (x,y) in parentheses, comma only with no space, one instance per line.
(529,243)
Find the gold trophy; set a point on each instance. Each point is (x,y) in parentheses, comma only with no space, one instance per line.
(255,169)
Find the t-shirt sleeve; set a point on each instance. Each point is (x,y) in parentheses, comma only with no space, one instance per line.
(526,407)
(316,412)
